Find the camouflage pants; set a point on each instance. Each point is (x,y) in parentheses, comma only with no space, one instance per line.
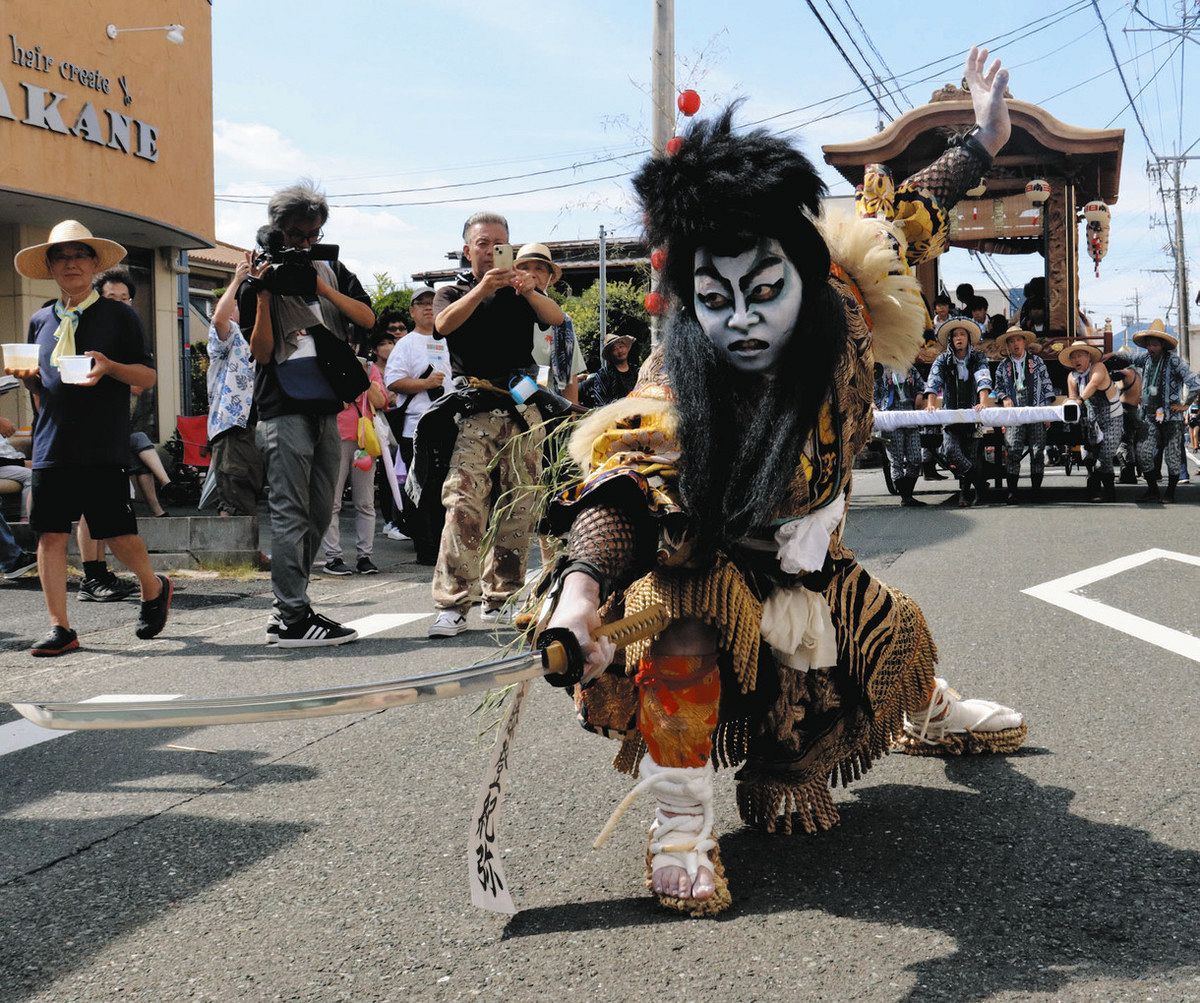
(467,497)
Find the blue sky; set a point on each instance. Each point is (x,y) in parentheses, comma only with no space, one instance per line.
(375,98)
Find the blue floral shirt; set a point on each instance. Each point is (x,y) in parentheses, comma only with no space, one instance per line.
(230,381)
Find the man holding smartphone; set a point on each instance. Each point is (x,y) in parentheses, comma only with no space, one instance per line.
(487,318)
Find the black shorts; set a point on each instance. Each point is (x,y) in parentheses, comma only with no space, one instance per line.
(101,494)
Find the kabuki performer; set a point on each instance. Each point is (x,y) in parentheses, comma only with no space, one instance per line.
(719,489)
(1022,380)
(901,392)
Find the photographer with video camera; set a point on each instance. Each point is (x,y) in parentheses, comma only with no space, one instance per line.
(301,306)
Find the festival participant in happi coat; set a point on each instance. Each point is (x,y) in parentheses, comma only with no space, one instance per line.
(896,392)
(1090,383)
(719,489)
(962,377)
(1021,380)
(1167,388)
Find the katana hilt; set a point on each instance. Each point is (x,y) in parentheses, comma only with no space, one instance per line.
(562,656)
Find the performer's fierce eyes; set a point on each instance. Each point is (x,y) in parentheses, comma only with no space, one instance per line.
(714,300)
(765,292)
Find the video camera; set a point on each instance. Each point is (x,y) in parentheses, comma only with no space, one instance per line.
(292,272)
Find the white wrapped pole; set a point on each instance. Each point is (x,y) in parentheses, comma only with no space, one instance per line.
(384,431)
(992,417)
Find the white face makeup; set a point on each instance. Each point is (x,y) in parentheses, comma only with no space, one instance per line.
(748,304)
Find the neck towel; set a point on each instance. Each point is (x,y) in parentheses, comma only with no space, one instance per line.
(68,323)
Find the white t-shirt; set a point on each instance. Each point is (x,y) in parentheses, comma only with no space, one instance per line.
(414,354)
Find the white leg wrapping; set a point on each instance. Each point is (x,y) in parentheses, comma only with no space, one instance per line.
(681,835)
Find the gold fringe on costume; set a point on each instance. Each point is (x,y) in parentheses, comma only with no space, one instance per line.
(720,597)
(779,807)
(718,902)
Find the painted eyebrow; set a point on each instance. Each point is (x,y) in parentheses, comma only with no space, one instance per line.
(745,282)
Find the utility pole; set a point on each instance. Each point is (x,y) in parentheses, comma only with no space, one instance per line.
(603,291)
(1185,348)
(662,94)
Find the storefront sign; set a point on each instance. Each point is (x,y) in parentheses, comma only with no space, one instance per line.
(44,107)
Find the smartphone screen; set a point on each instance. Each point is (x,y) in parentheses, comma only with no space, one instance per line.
(502,256)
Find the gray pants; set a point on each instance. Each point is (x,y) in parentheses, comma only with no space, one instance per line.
(300,453)
(239,472)
(362,493)
(1155,437)
(1017,437)
(903,452)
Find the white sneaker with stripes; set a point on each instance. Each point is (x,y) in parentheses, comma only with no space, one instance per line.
(315,631)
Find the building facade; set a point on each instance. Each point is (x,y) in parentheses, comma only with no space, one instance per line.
(115,132)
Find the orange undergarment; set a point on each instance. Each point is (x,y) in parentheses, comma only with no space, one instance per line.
(679,697)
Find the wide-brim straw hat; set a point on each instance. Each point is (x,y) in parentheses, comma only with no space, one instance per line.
(1078,346)
(1155,330)
(959,324)
(31,261)
(539,252)
(612,339)
(1012,332)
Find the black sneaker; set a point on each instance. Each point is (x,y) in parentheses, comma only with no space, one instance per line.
(315,631)
(153,616)
(25,562)
(110,589)
(337,567)
(59,641)
(366,566)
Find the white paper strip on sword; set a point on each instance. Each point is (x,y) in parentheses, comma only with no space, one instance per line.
(995,417)
(22,734)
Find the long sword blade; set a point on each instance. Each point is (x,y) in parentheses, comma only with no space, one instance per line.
(361,698)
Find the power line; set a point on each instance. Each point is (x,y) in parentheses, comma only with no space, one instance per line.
(878,55)
(1124,83)
(863,56)
(846,58)
(1161,67)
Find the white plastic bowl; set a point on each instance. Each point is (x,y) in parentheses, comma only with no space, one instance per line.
(74,368)
(18,356)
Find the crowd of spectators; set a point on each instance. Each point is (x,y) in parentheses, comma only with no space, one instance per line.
(467,386)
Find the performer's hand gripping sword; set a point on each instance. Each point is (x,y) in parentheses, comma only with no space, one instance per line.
(557,657)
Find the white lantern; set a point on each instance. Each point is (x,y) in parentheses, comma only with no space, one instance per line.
(1037,191)
(1096,212)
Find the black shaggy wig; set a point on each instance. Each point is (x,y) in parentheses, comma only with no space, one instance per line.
(742,436)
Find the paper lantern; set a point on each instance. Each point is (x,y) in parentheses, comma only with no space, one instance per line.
(658,259)
(1096,212)
(655,303)
(689,102)
(1037,191)
(674,145)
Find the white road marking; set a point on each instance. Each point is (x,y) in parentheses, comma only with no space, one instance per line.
(377,623)
(22,734)
(1061,592)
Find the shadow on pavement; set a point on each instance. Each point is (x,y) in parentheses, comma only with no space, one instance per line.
(55,920)
(1033,896)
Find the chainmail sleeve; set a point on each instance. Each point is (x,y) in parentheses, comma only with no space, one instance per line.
(606,538)
(948,178)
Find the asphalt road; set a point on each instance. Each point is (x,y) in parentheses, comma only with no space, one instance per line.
(325,859)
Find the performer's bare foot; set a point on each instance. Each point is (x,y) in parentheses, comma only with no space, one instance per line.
(674,881)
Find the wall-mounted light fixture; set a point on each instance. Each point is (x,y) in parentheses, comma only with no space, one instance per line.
(174,31)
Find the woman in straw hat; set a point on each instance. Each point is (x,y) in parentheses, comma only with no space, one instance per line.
(1022,380)
(962,377)
(1167,388)
(81,435)
(1090,384)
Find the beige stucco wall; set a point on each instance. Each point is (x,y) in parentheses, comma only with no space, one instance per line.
(171,90)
